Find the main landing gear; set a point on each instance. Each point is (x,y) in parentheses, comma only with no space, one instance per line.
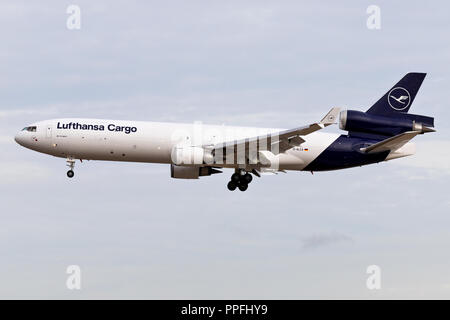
(71,165)
(240,179)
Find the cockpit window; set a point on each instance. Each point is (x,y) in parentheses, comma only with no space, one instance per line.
(30,129)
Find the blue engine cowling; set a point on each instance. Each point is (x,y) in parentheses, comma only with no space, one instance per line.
(357,121)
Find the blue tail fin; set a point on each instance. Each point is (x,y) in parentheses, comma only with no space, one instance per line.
(400,97)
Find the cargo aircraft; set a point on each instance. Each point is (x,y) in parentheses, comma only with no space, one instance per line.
(381,133)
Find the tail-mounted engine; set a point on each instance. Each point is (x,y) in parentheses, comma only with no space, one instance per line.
(391,125)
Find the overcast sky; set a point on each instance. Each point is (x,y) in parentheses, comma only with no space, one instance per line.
(137,233)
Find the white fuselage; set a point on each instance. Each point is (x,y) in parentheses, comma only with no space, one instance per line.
(153,142)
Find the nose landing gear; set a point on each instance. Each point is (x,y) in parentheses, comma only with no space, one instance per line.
(71,165)
(240,179)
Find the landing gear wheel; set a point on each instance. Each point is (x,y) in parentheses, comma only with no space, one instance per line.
(243,186)
(70,173)
(235,177)
(231,185)
(71,164)
(247,178)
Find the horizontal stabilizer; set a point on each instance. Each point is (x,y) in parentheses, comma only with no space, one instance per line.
(391,144)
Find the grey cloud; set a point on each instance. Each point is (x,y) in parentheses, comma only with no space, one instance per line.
(320,240)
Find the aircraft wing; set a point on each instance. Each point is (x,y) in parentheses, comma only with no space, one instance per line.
(277,142)
(391,144)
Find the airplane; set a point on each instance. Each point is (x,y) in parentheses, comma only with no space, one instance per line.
(382,133)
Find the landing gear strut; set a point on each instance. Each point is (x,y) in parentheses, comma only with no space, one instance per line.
(240,179)
(71,165)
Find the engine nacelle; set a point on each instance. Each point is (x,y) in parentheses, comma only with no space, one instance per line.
(191,172)
(357,121)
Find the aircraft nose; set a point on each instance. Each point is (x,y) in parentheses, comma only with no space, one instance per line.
(19,138)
